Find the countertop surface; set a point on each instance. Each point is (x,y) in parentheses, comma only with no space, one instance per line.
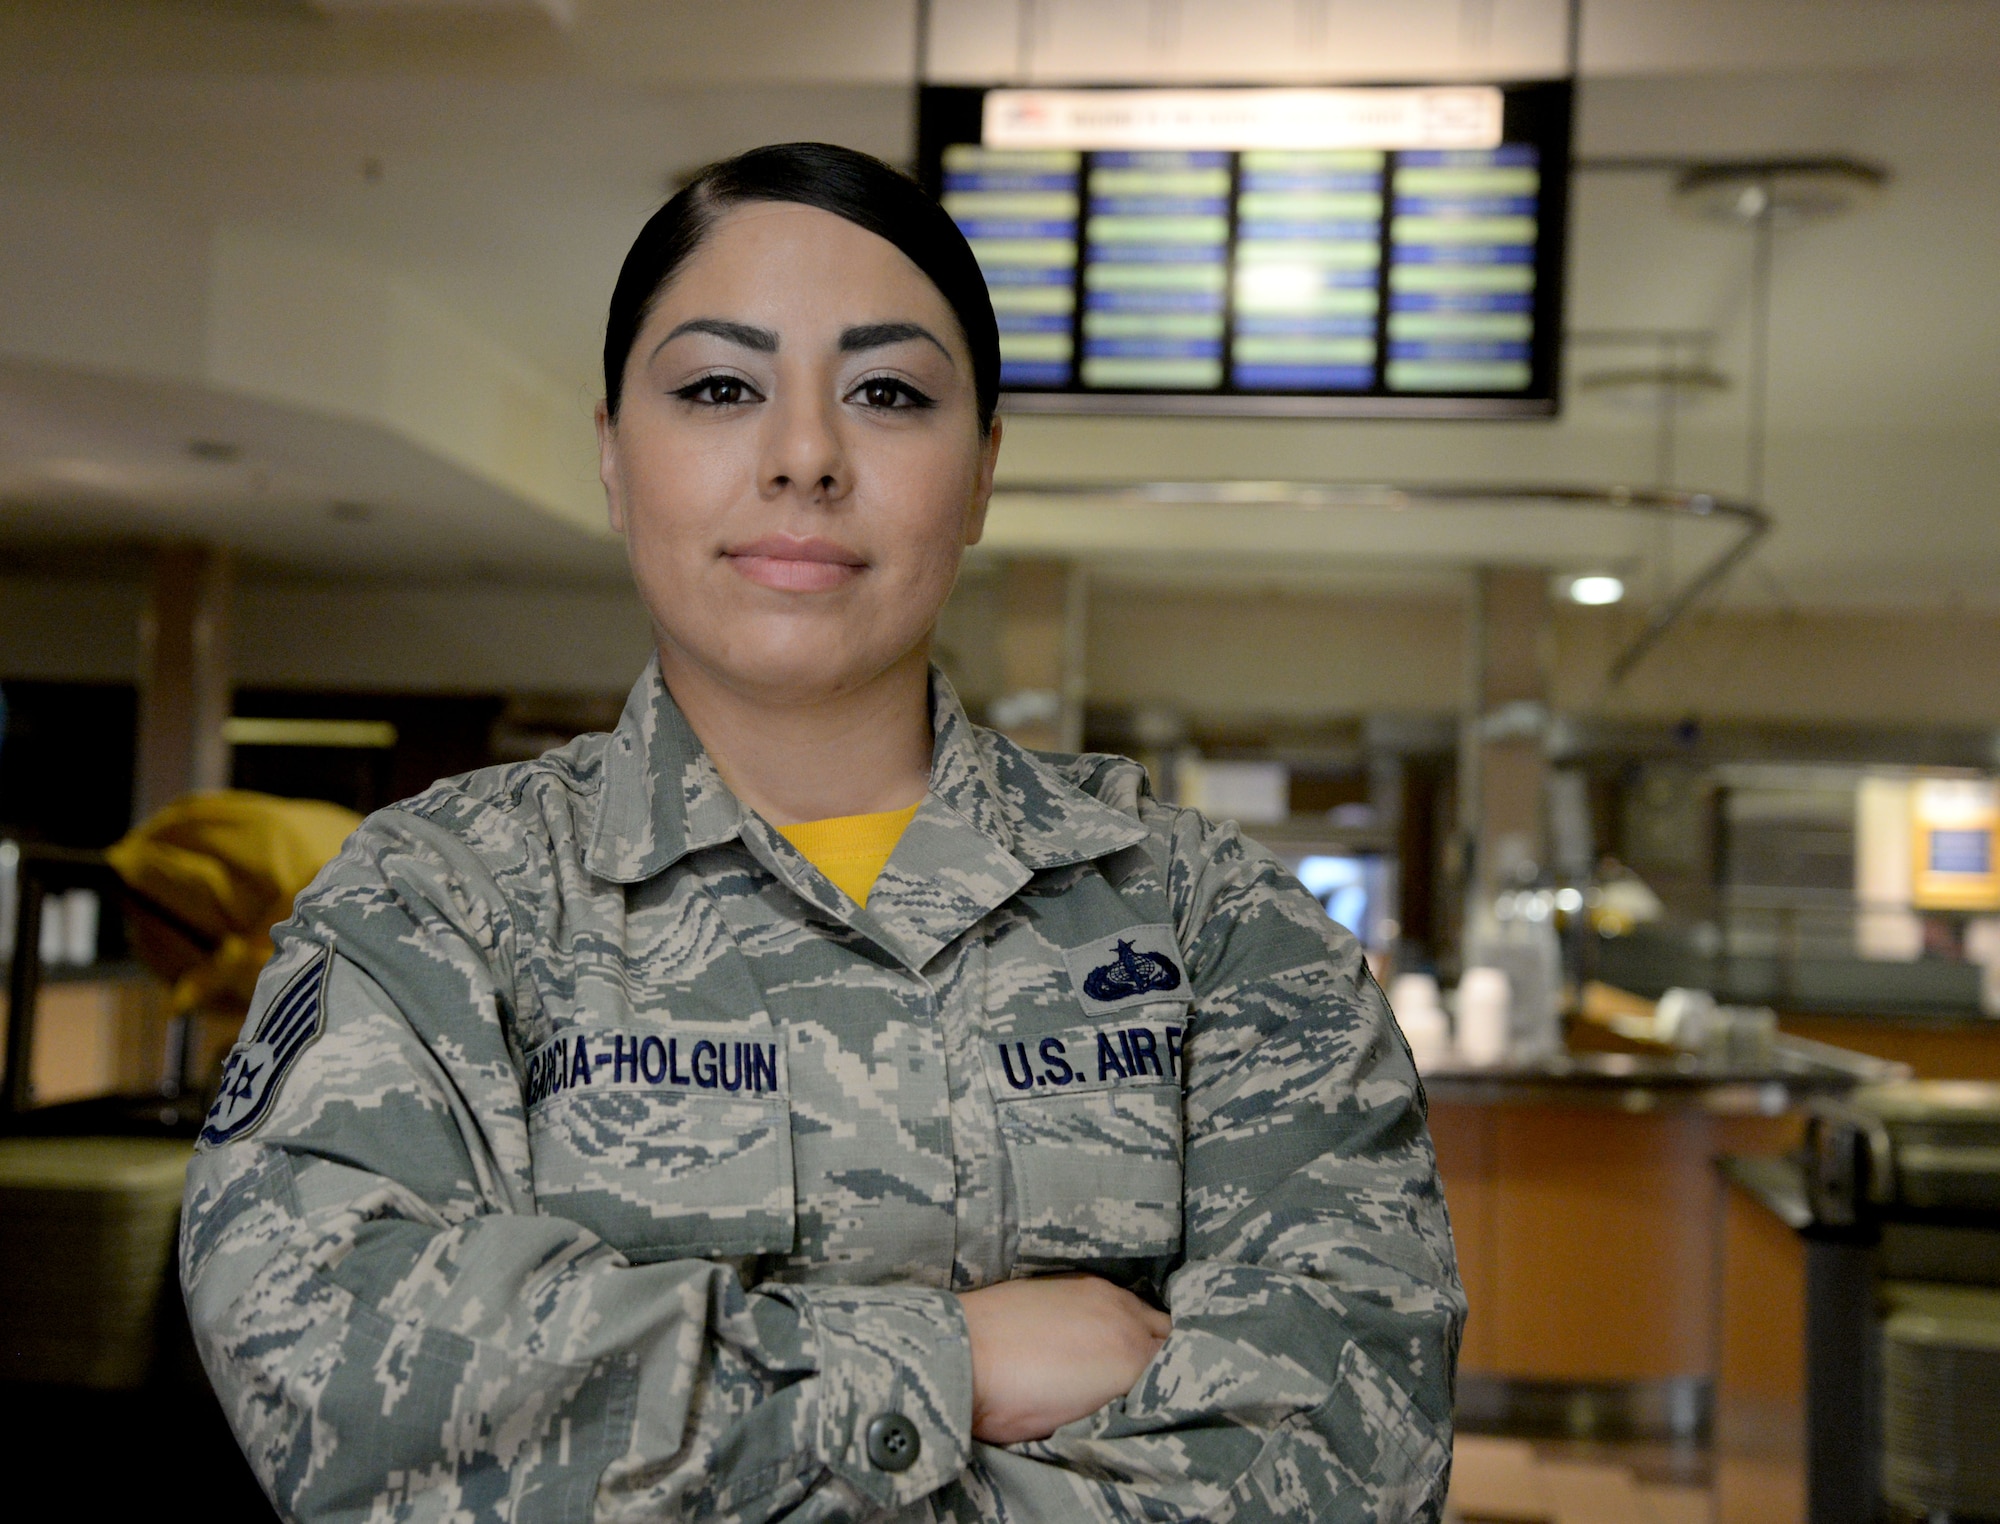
(1792,1072)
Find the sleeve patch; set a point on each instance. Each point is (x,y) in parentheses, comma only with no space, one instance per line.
(259,1062)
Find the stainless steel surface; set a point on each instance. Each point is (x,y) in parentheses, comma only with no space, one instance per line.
(1897,1197)
(1909,1148)
(1778,1185)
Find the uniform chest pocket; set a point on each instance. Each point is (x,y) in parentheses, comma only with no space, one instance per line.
(1091,1117)
(668,1143)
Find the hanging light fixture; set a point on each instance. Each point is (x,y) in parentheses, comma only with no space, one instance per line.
(1765,195)
(1783,192)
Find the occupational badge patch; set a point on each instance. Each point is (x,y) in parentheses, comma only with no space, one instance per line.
(1132,967)
(265,1054)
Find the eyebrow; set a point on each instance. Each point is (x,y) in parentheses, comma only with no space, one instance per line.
(760,339)
(852,340)
(877,335)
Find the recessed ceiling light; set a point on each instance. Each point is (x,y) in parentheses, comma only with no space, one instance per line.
(1596,589)
(217,451)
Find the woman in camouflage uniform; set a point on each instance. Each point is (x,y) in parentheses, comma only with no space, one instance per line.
(590,1155)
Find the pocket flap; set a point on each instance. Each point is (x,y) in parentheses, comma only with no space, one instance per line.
(1091,1116)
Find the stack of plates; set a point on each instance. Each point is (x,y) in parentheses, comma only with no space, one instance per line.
(86,1252)
(1941,1400)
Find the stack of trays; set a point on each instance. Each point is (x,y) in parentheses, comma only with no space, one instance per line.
(86,1252)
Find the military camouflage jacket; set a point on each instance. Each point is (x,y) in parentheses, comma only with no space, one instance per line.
(588,1156)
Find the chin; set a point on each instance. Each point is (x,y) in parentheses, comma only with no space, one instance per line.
(803,671)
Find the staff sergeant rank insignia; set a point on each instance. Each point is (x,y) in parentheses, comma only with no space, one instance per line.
(261,1059)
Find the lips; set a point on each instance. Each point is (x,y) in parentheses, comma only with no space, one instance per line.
(790,564)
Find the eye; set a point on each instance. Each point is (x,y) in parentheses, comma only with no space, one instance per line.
(717,391)
(889,394)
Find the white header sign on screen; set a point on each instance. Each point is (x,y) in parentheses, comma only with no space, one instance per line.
(1436,117)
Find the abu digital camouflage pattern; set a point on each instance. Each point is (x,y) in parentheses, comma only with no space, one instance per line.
(630,1166)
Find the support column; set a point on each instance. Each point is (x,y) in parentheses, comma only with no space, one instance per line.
(184,682)
(1043,605)
(1503,768)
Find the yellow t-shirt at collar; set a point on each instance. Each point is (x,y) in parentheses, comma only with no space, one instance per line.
(851,850)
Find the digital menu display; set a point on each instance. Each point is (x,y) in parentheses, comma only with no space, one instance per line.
(1248,278)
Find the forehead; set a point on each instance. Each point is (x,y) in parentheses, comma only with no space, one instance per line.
(778,259)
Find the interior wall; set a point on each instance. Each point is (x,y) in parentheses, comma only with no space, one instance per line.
(442,638)
(402,637)
(70,629)
(1229,655)
(1911,668)
(1867,516)
(1294,655)
(385,637)
(1248,654)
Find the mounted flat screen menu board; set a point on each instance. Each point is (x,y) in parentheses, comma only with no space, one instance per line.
(1391,251)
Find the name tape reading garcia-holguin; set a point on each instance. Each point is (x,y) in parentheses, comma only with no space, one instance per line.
(651,1061)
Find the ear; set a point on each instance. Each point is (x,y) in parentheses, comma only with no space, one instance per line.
(608,471)
(982,490)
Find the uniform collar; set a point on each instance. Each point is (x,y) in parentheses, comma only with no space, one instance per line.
(1021,803)
(662,796)
(996,814)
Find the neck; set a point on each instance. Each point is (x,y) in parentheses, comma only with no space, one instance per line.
(854,753)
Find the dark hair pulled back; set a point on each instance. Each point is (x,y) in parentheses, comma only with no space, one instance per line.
(862,189)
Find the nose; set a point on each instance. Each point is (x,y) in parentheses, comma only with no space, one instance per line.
(803,450)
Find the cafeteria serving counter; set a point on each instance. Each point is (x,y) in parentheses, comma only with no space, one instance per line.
(1589,1219)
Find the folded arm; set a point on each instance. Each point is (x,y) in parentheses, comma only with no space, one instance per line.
(1317,1313)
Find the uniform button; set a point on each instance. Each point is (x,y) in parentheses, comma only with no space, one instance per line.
(893,1442)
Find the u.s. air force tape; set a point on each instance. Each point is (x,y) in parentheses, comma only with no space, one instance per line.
(600,1059)
(1104,1057)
